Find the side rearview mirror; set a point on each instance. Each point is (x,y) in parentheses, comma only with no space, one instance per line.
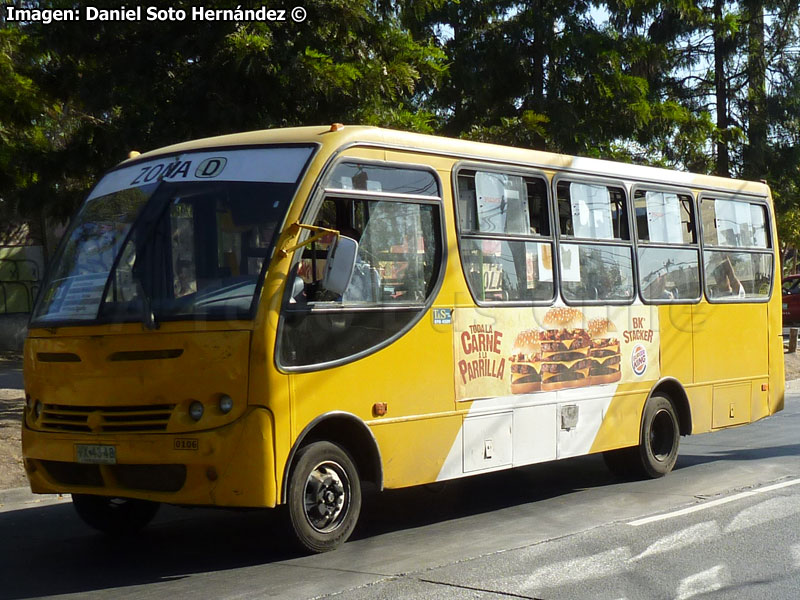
(339,264)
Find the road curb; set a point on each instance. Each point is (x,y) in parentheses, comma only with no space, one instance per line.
(22,497)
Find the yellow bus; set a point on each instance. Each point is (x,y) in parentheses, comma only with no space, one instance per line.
(276,317)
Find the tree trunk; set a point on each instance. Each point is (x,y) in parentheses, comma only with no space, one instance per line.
(721,86)
(755,151)
(539,54)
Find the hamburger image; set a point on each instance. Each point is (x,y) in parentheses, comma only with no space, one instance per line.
(525,376)
(565,354)
(604,352)
(565,346)
(564,362)
(563,317)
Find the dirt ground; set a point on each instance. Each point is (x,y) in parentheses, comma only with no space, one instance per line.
(12,402)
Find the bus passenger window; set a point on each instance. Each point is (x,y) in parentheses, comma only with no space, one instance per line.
(669,264)
(598,266)
(590,210)
(737,259)
(497,203)
(504,226)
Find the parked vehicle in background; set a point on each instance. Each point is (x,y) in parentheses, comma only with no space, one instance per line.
(791,300)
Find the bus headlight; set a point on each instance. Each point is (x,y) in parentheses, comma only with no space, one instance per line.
(225,404)
(37,409)
(196,410)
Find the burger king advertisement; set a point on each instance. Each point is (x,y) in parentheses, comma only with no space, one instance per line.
(514,351)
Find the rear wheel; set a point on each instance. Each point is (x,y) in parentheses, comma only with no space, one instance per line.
(324,497)
(661,436)
(657,451)
(114,516)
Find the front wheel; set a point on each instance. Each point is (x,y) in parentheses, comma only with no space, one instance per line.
(114,516)
(324,497)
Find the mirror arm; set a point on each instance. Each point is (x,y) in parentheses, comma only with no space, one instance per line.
(294,229)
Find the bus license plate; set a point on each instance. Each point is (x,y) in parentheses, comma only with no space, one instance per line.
(95,454)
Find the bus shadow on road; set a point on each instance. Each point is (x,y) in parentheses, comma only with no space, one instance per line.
(48,551)
(687,459)
(425,505)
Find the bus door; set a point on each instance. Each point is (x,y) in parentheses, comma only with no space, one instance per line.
(373,352)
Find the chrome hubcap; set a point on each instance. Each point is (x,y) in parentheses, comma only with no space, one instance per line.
(326,496)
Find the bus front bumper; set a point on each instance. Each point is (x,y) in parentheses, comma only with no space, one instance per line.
(228,466)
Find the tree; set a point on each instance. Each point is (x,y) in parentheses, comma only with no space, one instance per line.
(118,86)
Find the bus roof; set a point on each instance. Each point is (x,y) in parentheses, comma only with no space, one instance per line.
(331,138)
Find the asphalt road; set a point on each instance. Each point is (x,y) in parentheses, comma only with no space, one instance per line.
(561,530)
(11,374)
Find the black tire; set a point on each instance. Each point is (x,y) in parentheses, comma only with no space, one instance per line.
(661,436)
(657,451)
(324,497)
(114,516)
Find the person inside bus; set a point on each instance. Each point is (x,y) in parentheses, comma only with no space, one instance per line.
(727,282)
(663,289)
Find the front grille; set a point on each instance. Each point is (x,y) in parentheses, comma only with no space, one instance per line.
(106,419)
(72,473)
(154,478)
(151,478)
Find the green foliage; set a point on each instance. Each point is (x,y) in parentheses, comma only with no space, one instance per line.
(117,86)
(639,86)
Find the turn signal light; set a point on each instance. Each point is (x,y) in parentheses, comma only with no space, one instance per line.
(379,409)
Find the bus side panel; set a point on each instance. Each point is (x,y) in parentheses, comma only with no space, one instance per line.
(700,405)
(777,374)
(414,452)
(730,344)
(621,421)
(777,366)
(677,353)
(249,479)
(730,341)
(414,378)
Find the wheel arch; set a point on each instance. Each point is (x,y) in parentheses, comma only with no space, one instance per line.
(349,432)
(674,390)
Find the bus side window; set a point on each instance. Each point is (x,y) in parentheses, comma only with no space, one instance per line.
(738,262)
(669,267)
(596,253)
(504,229)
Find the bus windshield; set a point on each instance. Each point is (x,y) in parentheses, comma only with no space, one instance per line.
(188,243)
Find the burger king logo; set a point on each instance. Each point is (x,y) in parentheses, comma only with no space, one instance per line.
(639,359)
